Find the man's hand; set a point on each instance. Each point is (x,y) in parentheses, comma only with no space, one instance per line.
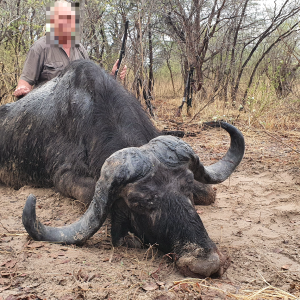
(123,72)
(22,89)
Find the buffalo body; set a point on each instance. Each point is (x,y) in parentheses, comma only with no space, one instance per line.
(84,134)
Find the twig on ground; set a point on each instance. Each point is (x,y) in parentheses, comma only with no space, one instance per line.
(277,139)
(13,234)
(112,254)
(148,250)
(209,102)
(5,227)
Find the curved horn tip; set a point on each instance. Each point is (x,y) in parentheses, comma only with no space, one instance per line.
(221,124)
(29,214)
(221,170)
(30,204)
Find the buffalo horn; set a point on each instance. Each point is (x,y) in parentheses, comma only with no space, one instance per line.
(124,166)
(173,152)
(222,169)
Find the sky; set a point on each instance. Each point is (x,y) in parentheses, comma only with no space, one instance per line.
(269,3)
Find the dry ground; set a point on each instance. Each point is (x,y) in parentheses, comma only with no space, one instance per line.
(256,219)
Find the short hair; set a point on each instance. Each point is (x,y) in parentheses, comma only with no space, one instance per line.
(63,3)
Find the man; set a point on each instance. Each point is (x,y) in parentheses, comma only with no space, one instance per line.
(49,55)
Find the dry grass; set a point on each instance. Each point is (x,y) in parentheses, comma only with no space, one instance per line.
(264,111)
(268,292)
(263,108)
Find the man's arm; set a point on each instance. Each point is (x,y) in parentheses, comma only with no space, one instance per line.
(31,70)
(23,88)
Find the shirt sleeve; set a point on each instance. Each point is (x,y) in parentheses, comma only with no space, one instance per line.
(32,67)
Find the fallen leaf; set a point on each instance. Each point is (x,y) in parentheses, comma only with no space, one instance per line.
(4,281)
(67,297)
(7,274)
(286,267)
(163,297)
(62,282)
(91,277)
(295,286)
(10,263)
(185,287)
(277,250)
(25,296)
(35,245)
(6,239)
(5,288)
(84,286)
(64,262)
(176,288)
(150,286)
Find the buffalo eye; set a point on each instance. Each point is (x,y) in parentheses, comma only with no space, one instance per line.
(187,184)
(141,202)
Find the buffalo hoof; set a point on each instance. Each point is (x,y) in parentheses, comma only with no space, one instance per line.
(203,194)
(213,265)
(225,262)
(131,241)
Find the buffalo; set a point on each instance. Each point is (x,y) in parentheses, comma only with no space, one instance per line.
(84,134)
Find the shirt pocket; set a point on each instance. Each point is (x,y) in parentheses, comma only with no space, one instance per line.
(54,65)
(51,70)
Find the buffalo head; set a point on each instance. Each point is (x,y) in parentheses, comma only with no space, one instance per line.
(148,191)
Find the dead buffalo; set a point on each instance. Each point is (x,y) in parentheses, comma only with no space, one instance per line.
(82,130)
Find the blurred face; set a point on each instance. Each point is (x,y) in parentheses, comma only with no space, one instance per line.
(62,24)
(63,21)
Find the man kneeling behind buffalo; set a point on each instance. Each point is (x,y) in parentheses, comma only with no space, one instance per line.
(49,55)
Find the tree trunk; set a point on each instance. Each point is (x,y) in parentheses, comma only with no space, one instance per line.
(150,80)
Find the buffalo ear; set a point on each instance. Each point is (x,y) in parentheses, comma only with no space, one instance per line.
(203,194)
(123,167)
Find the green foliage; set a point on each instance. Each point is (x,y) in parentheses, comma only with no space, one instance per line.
(164,72)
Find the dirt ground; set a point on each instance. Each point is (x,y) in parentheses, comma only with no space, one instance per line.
(256,219)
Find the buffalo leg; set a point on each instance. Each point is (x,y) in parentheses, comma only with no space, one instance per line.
(72,185)
(121,226)
(203,194)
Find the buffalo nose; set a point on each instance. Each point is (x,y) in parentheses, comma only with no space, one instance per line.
(215,263)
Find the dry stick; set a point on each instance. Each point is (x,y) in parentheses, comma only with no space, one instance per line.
(274,137)
(267,259)
(13,234)
(263,278)
(5,228)
(210,101)
(148,250)
(112,254)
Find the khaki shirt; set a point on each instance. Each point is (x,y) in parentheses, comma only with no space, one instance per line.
(44,62)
